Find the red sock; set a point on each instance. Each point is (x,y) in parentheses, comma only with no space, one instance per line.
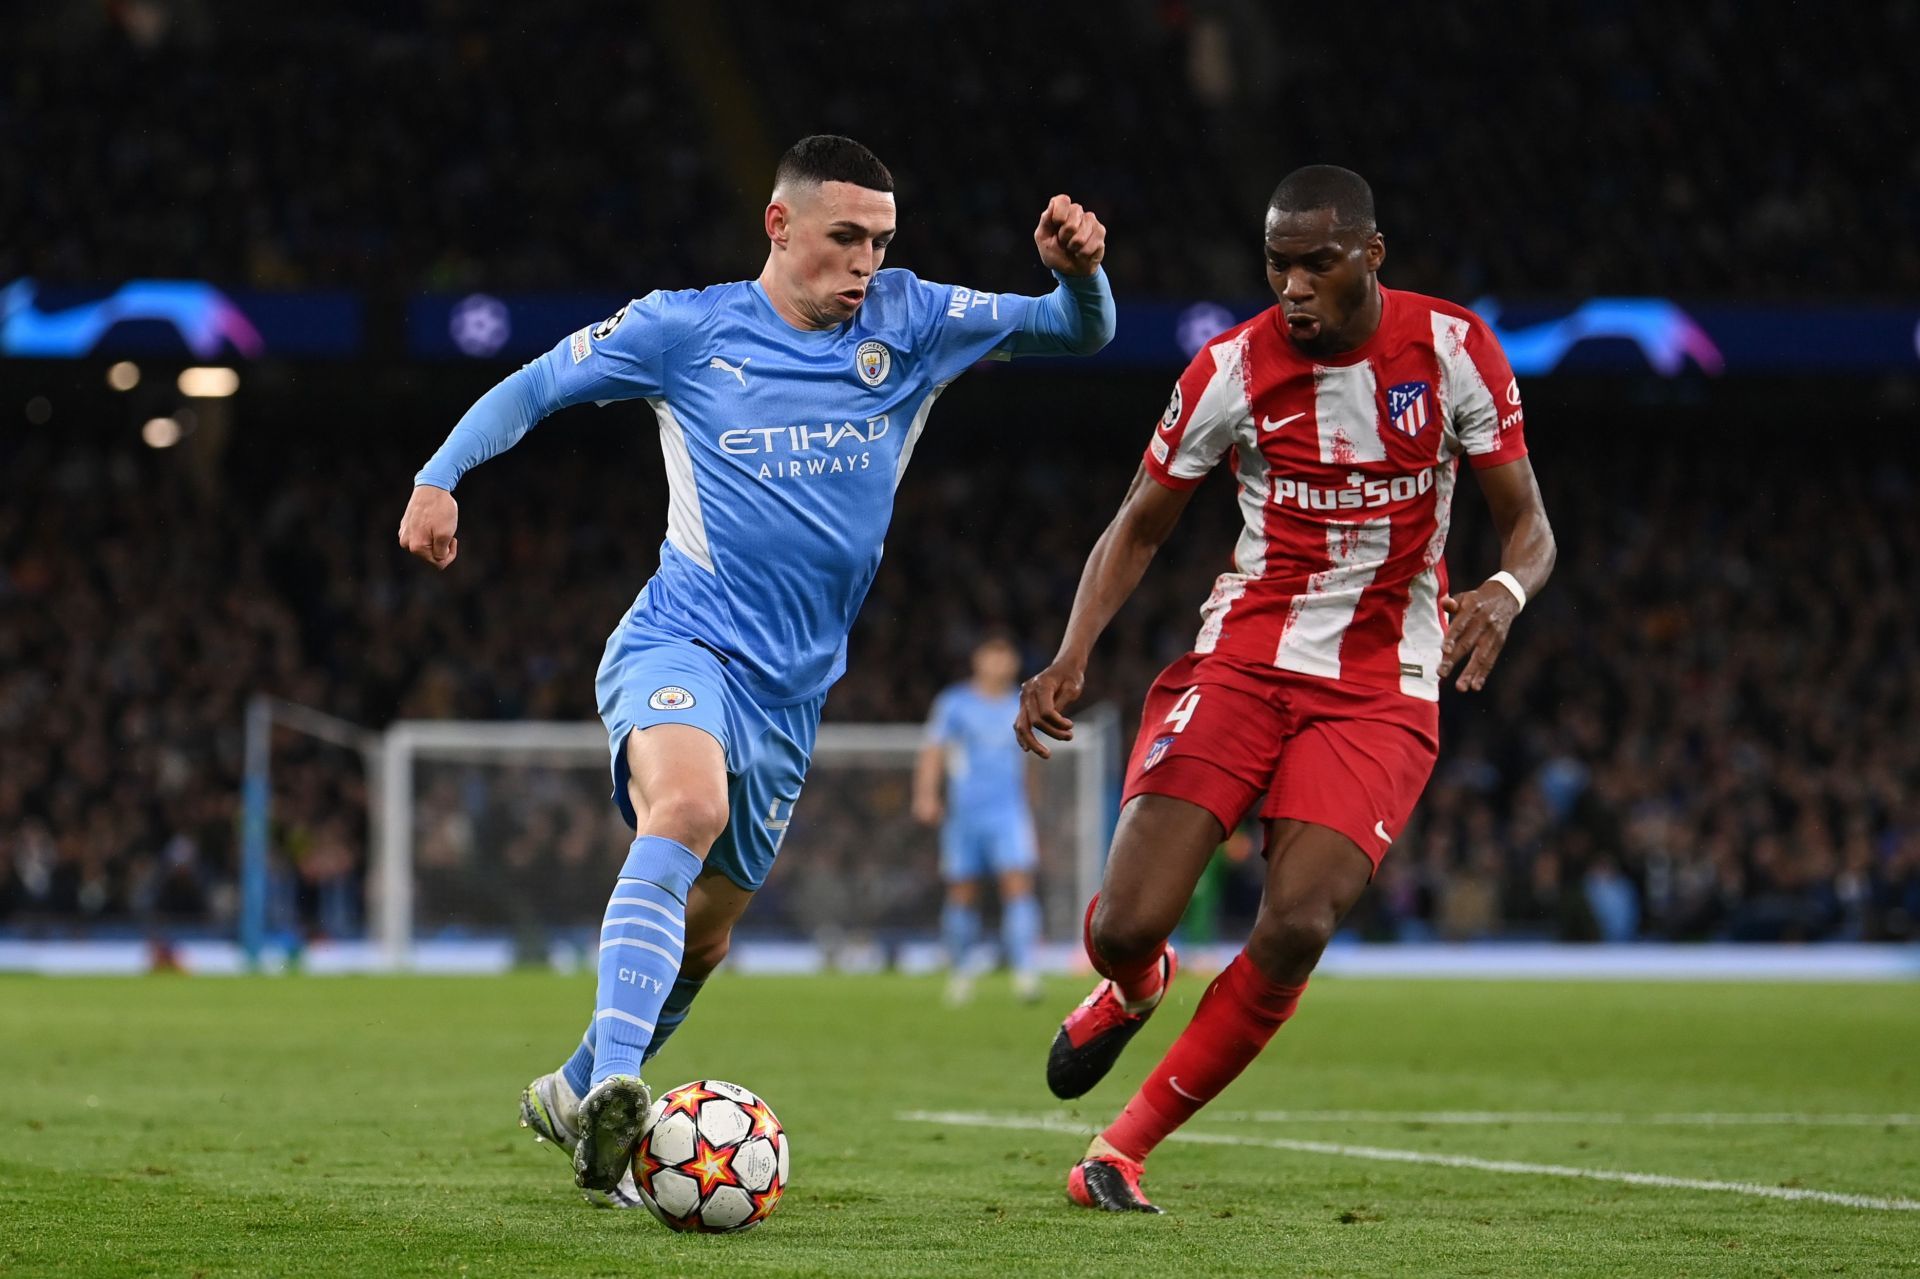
(1136,981)
(1235,1019)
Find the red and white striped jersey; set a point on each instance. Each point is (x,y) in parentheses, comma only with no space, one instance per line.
(1346,468)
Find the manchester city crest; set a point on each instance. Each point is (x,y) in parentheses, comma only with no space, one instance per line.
(873,361)
(670,698)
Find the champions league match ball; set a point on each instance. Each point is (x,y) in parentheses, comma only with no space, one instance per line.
(714,1160)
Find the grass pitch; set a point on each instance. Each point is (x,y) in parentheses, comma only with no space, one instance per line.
(310,1126)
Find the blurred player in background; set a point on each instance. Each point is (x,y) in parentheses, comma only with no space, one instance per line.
(788,408)
(986,821)
(1315,678)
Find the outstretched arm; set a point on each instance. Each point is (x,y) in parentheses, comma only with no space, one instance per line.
(494,424)
(1077,318)
(1114,568)
(928,770)
(617,359)
(1480,619)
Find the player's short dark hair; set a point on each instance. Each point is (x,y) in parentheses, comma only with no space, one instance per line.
(1327,186)
(997,634)
(828,157)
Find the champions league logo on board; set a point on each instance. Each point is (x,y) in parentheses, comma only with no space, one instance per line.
(873,362)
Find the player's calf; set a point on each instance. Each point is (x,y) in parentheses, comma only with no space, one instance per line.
(1125,948)
(1287,940)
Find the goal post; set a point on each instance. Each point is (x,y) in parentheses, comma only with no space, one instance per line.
(264,715)
(488,829)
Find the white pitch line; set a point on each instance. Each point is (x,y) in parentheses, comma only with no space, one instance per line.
(1490,1118)
(977,1119)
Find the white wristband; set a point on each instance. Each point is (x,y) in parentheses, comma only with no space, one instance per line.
(1513,586)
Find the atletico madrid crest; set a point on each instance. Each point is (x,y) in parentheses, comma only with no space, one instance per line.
(1156,753)
(1409,405)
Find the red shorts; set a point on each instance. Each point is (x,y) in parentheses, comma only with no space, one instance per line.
(1220,733)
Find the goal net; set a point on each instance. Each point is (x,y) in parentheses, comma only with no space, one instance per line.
(504,833)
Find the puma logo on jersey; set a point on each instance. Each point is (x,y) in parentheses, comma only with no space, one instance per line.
(1269,425)
(739,371)
(774,820)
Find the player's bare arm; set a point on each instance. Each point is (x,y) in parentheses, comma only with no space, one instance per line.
(929,770)
(1119,559)
(1480,619)
(427,528)
(1070,238)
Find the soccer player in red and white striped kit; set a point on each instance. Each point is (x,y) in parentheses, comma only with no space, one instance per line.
(1313,686)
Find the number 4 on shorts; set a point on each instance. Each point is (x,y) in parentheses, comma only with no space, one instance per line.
(1183,710)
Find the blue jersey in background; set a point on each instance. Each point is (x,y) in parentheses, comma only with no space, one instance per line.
(986,769)
(988,828)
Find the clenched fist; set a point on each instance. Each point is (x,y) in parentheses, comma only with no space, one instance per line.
(427,529)
(1070,239)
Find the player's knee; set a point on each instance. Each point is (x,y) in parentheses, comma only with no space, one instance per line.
(1121,937)
(693,819)
(1287,941)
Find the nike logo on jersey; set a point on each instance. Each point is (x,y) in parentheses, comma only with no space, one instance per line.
(739,371)
(1173,1082)
(1380,829)
(1269,425)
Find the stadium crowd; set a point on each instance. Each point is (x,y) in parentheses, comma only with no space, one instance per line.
(1721,149)
(1701,729)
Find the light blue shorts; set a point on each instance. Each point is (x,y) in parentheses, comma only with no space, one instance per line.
(976,845)
(646,680)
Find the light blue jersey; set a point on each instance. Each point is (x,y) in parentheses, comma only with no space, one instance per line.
(986,770)
(989,828)
(783,446)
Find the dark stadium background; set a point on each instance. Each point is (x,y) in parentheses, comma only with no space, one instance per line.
(1705,728)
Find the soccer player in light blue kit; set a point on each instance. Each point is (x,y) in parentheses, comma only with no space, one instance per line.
(788,408)
(986,821)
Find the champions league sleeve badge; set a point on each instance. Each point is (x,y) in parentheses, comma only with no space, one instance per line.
(873,361)
(604,330)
